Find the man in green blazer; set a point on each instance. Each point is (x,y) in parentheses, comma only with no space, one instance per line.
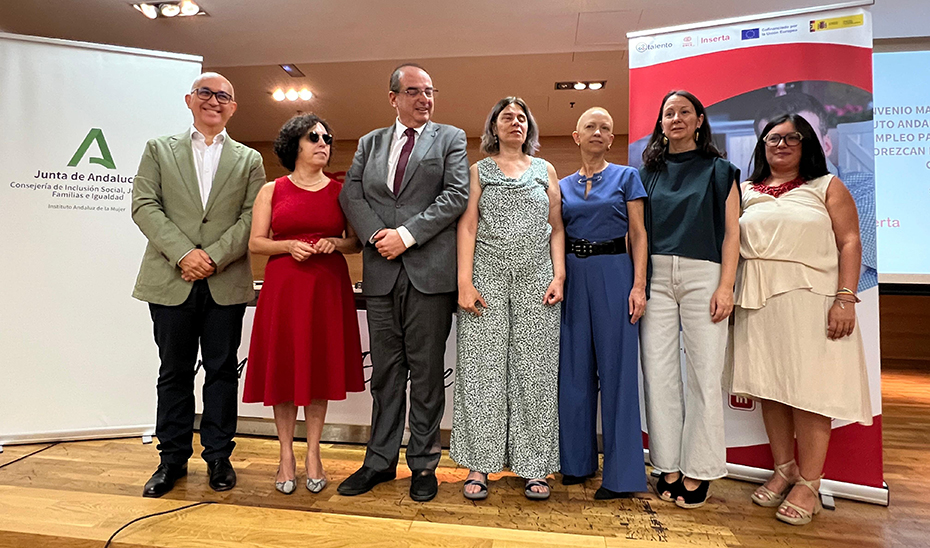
(192,198)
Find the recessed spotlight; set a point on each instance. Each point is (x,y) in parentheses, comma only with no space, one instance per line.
(188,8)
(306,94)
(147,10)
(182,8)
(292,70)
(278,95)
(292,94)
(580,86)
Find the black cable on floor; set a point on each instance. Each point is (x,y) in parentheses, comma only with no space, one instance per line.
(36,452)
(109,540)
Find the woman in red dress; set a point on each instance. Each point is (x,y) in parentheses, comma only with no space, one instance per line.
(305,347)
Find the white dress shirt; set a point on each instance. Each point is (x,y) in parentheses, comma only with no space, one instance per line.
(206,160)
(398,140)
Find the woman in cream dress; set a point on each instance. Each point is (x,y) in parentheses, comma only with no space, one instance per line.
(796,345)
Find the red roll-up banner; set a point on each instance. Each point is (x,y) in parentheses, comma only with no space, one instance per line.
(821,62)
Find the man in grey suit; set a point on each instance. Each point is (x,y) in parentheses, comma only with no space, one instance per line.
(192,198)
(407,186)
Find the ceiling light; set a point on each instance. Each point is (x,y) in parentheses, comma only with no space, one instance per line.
(188,8)
(182,8)
(292,70)
(147,10)
(170,10)
(278,95)
(292,94)
(581,86)
(306,94)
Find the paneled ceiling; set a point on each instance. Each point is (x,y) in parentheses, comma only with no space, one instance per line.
(477,51)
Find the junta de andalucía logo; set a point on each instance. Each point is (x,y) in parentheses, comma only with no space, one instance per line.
(105,159)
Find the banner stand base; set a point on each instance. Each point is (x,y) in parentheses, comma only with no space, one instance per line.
(79,435)
(828,488)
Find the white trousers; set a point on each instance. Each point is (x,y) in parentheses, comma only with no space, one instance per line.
(684,416)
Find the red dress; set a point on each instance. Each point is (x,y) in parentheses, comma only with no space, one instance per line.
(305,340)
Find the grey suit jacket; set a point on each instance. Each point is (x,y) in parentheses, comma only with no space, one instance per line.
(166,206)
(433,195)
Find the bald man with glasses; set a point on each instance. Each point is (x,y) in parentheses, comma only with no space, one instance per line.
(192,198)
(407,186)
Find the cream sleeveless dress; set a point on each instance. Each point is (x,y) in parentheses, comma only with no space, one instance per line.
(785,285)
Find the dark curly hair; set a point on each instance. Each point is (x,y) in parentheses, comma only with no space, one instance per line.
(287,145)
(813,162)
(654,153)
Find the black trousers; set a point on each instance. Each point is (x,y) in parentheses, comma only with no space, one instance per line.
(408,332)
(179,331)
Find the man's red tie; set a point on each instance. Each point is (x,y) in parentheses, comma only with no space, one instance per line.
(404,156)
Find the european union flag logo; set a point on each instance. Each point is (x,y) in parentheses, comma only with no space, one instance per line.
(750,34)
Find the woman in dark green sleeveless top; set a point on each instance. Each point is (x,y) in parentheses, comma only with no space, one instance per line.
(692,221)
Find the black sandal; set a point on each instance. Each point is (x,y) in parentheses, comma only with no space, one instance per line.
(674,489)
(693,499)
(537,495)
(482,492)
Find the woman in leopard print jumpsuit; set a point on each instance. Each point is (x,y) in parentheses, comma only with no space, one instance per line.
(511,264)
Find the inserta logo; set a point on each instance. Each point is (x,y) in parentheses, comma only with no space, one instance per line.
(687,42)
(715,39)
(105,159)
(742,403)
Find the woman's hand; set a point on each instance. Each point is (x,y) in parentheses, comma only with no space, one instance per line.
(469,298)
(325,245)
(637,304)
(553,293)
(721,304)
(841,319)
(300,250)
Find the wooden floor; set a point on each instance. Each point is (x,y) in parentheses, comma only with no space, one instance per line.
(77,494)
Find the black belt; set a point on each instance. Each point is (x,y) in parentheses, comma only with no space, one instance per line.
(584,248)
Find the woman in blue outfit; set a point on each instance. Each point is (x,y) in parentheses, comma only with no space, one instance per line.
(605,295)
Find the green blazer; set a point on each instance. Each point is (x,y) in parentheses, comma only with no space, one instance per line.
(166,206)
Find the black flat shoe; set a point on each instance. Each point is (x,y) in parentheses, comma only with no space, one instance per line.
(574,480)
(604,493)
(693,499)
(222,475)
(363,480)
(423,485)
(163,479)
(674,488)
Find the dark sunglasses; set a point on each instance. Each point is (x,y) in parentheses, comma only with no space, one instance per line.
(315,137)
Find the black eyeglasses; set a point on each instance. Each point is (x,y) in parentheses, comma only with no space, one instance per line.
(204,94)
(315,137)
(775,139)
(414,92)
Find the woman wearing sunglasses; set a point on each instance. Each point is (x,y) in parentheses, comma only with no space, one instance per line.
(795,342)
(305,347)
